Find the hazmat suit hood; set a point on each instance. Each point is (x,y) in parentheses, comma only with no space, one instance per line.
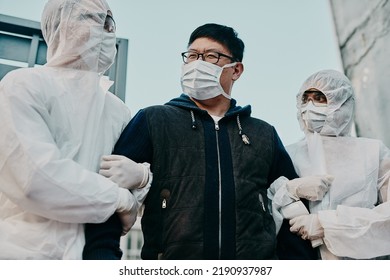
(75,35)
(341,101)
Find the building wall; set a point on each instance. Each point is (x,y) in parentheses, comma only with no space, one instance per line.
(362,28)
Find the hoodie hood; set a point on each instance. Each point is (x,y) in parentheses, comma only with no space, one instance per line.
(234,112)
(74,33)
(183,101)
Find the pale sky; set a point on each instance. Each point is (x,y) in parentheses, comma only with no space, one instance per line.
(285,42)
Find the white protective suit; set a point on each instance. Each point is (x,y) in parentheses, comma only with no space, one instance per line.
(56,123)
(354,226)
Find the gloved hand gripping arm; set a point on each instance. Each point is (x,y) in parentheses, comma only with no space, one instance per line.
(310,187)
(132,176)
(126,210)
(286,194)
(307,226)
(127,173)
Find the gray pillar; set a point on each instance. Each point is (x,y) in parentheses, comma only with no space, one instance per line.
(362,28)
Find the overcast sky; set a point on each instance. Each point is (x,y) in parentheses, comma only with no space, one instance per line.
(286,41)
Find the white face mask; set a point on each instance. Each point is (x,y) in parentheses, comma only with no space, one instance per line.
(107,52)
(314,116)
(200,79)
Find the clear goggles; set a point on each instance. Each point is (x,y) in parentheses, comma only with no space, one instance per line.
(317,97)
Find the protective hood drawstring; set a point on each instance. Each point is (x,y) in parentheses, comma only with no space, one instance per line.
(245,138)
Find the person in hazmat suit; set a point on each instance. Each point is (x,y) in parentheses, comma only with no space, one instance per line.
(57,121)
(350,211)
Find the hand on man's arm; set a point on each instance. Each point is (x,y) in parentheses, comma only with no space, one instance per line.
(127,173)
(312,188)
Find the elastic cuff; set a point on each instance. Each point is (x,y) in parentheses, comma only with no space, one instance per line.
(145,179)
(125,200)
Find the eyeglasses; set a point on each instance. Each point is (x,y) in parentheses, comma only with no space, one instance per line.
(212,57)
(109,24)
(316,96)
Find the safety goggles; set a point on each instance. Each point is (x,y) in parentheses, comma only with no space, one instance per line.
(316,96)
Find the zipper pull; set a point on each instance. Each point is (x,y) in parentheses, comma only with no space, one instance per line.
(216,126)
(164,204)
(245,139)
(164,196)
(262,202)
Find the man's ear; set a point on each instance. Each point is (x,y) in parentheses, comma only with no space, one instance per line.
(238,70)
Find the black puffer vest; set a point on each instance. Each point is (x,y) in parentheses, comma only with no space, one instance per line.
(208,196)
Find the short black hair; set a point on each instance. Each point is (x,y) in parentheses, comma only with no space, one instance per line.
(222,34)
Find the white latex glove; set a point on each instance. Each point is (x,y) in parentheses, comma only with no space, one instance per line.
(140,194)
(130,203)
(307,226)
(125,172)
(311,187)
(127,208)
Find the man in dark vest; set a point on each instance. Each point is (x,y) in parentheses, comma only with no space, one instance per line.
(212,164)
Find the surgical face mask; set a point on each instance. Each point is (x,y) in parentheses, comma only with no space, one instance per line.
(200,79)
(107,52)
(314,116)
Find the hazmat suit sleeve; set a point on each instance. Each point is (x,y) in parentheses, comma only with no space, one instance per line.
(286,195)
(289,245)
(102,241)
(279,198)
(361,233)
(44,181)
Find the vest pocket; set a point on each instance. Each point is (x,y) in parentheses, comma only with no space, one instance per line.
(164,202)
(164,198)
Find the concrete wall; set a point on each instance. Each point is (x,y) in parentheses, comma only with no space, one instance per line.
(362,28)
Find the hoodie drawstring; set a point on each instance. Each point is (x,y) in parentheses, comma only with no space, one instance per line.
(193,120)
(244,138)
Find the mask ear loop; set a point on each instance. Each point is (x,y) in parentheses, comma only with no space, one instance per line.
(223,67)
(229,65)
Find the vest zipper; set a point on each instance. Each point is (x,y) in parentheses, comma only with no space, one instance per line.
(219,189)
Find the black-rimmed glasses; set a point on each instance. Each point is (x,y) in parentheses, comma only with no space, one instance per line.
(109,24)
(211,57)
